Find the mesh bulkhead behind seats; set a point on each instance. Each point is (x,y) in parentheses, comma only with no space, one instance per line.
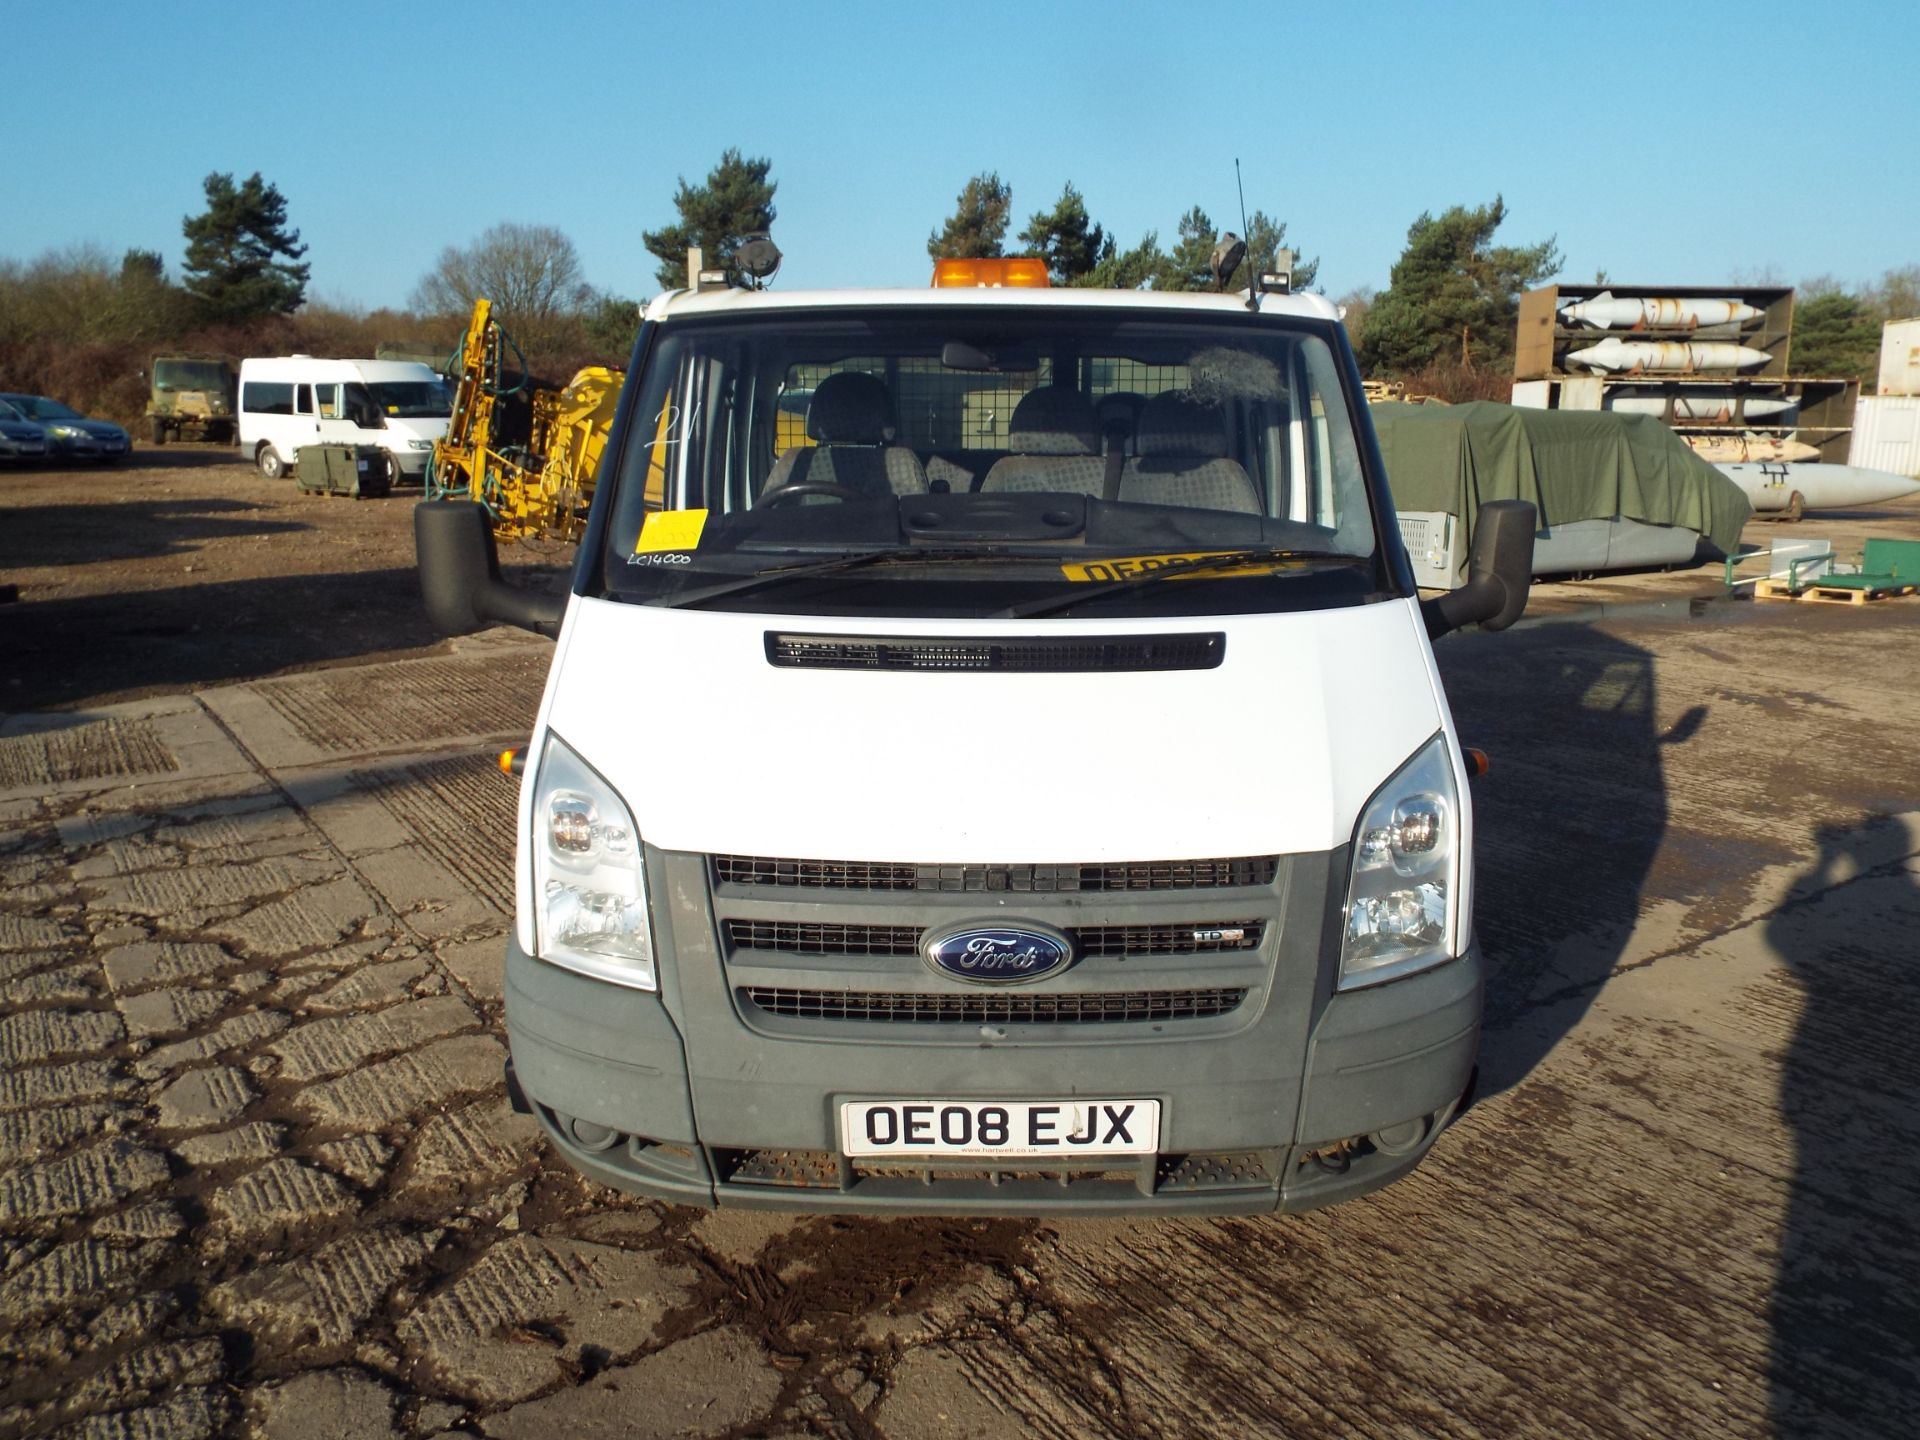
(850,419)
(1054,437)
(1182,459)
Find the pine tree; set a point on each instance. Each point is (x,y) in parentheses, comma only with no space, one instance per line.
(1454,295)
(977,229)
(1188,266)
(241,258)
(1835,334)
(1070,243)
(735,202)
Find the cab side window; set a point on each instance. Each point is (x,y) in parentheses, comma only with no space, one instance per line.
(361,408)
(326,399)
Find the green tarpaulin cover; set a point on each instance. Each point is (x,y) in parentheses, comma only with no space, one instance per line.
(1572,464)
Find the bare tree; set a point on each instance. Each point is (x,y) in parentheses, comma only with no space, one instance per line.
(531,273)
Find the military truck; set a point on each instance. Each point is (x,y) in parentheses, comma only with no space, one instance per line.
(190,397)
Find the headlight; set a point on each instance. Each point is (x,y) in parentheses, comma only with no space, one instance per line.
(589,880)
(1403,898)
(419,444)
(70,432)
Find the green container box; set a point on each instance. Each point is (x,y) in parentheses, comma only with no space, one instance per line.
(362,471)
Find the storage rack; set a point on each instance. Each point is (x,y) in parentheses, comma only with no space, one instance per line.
(1823,417)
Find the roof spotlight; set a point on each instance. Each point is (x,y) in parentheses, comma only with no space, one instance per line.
(1227,256)
(759,257)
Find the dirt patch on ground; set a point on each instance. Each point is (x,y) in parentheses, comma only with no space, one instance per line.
(184,567)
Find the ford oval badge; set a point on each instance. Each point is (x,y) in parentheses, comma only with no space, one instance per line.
(999,954)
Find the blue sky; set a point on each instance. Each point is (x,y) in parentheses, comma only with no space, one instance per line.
(1668,143)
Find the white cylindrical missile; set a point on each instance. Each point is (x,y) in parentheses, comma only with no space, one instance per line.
(1605,311)
(1742,449)
(1820,487)
(1641,357)
(1704,403)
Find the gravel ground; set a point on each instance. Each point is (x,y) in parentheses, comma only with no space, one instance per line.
(258,1174)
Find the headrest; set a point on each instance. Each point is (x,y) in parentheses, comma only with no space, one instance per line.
(1174,423)
(1054,420)
(850,407)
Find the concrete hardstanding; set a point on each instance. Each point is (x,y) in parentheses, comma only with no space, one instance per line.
(257,1172)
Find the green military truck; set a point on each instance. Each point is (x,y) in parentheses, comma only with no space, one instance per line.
(190,397)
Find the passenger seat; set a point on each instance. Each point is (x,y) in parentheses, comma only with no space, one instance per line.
(1054,440)
(1182,459)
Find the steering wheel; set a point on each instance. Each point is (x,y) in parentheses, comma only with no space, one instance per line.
(781,493)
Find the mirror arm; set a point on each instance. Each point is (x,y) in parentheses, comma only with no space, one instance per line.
(1499,573)
(460,574)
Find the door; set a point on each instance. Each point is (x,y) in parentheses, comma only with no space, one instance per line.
(330,423)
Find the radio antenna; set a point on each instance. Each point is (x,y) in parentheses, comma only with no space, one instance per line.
(1253,261)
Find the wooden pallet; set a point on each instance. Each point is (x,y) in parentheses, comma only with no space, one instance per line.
(1774,590)
(1818,594)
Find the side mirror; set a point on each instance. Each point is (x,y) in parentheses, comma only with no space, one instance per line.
(1499,572)
(460,574)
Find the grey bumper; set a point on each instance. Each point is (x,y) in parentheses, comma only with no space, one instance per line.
(733,1117)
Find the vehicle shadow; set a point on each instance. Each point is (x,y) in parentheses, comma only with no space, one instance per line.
(1567,823)
(144,457)
(37,535)
(1846,1316)
(96,648)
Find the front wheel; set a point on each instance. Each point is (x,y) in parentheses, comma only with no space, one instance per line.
(271,465)
(157,430)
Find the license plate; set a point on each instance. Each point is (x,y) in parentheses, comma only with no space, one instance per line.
(1024,1129)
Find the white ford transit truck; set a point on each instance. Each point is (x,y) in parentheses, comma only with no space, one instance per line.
(993,762)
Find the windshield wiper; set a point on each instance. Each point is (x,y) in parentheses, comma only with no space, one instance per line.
(1205,567)
(904,554)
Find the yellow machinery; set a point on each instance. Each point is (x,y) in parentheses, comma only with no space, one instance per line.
(541,491)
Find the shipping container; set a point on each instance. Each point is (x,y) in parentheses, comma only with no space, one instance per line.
(1900,357)
(1886,434)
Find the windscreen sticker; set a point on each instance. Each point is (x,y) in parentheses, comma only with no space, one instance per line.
(1122,566)
(670,531)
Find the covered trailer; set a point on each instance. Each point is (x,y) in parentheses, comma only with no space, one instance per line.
(1612,491)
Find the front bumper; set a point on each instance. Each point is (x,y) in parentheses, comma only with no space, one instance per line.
(751,1122)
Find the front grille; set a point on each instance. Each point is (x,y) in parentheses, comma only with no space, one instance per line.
(1187,938)
(790,937)
(1033,655)
(810,939)
(822,1170)
(993,1008)
(1088,878)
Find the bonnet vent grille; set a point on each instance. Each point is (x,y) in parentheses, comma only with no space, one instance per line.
(1031,654)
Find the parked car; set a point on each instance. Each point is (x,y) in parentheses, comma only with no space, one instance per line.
(71,435)
(21,441)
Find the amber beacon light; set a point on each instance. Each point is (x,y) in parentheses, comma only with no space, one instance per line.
(1025,273)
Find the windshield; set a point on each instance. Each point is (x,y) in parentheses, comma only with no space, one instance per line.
(970,462)
(192,375)
(413,399)
(39,407)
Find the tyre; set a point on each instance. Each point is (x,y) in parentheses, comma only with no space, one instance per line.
(270,463)
(157,430)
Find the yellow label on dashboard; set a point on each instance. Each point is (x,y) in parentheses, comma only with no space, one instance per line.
(670,530)
(1122,566)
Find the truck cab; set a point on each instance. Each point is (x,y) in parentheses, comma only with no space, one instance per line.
(190,397)
(993,762)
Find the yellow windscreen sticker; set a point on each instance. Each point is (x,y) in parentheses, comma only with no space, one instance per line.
(671,530)
(1121,566)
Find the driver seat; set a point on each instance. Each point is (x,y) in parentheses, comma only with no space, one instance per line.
(850,420)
